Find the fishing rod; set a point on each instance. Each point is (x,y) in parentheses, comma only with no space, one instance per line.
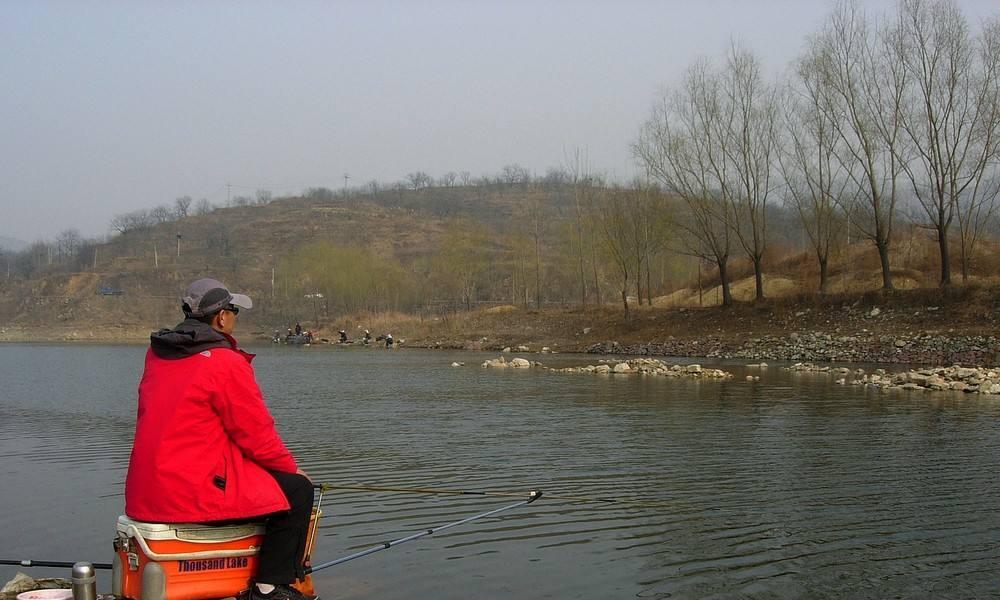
(454,492)
(532,496)
(50,563)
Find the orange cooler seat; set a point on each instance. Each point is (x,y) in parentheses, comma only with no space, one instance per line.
(187,561)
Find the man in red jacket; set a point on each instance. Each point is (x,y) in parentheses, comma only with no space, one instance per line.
(205,447)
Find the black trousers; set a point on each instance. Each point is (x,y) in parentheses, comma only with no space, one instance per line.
(282,552)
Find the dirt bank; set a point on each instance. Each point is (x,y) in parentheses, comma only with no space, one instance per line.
(959,326)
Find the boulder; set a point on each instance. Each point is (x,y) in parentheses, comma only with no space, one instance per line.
(622,368)
(520,363)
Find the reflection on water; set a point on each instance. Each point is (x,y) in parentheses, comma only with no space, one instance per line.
(790,487)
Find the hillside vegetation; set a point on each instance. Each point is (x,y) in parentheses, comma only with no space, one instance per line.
(438,266)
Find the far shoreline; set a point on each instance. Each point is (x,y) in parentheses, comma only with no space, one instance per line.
(858,347)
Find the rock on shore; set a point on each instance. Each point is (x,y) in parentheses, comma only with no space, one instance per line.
(635,366)
(650,366)
(953,378)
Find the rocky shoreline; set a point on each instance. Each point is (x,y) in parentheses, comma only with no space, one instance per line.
(864,347)
(955,378)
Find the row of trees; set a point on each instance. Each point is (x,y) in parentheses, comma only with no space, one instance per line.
(182,207)
(880,117)
(879,123)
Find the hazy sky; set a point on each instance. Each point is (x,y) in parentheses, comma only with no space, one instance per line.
(108,107)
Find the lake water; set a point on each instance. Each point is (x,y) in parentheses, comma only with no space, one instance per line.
(788,488)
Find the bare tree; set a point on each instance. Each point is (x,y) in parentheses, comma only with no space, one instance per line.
(203,207)
(161,214)
(68,244)
(951,119)
(263,197)
(419,180)
(815,178)
(747,138)
(652,232)
(977,211)
(515,174)
(617,235)
(867,87)
(680,146)
(181,206)
(578,174)
(533,219)
(132,221)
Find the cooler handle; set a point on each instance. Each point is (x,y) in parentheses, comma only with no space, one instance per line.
(134,534)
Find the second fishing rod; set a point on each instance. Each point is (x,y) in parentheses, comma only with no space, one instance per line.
(487,493)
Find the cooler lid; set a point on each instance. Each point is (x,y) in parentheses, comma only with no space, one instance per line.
(192,532)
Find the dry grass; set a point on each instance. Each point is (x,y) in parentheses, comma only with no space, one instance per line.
(742,290)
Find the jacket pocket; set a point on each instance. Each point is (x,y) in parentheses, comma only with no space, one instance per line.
(221,473)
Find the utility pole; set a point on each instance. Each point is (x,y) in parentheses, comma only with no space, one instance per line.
(346,177)
(156,257)
(179,236)
(229,191)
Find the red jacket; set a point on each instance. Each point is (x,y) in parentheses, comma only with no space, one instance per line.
(204,440)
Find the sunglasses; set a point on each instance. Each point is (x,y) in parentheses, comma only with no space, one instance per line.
(232,308)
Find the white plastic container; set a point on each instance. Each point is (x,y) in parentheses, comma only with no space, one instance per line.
(50,594)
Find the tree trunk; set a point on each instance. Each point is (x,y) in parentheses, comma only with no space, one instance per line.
(964,259)
(824,269)
(727,296)
(638,279)
(758,278)
(945,256)
(597,282)
(538,273)
(649,286)
(625,297)
(883,255)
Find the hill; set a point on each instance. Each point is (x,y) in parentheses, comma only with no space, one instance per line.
(409,254)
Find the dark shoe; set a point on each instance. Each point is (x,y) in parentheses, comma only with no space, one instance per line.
(280,592)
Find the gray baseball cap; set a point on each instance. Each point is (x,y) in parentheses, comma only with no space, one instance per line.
(207,296)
